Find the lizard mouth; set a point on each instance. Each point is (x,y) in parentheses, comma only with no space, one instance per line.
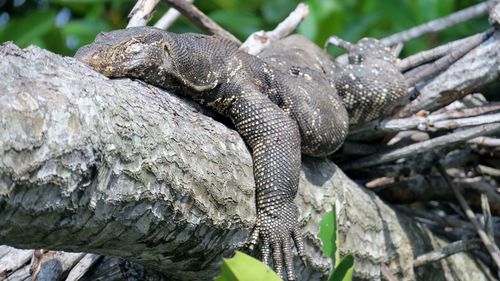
(84,54)
(93,56)
(90,56)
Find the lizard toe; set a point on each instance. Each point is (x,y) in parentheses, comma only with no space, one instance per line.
(299,243)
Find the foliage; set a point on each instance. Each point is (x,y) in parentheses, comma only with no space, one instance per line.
(243,267)
(328,235)
(342,268)
(62,26)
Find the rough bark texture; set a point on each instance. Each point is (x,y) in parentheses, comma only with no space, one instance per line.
(477,68)
(120,168)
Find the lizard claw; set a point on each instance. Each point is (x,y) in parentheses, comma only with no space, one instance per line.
(276,231)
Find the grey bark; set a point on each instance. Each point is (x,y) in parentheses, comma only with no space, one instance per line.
(11,260)
(82,267)
(120,168)
(477,68)
(52,265)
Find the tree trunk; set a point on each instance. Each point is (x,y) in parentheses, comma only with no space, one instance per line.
(121,168)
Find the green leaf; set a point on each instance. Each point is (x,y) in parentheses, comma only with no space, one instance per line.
(243,267)
(343,272)
(235,5)
(277,10)
(308,27)
(240,23)
(361,27)
(26,30)
(84,31)
(328,235)
(69,2)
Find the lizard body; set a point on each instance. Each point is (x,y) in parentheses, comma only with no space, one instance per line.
(291,100)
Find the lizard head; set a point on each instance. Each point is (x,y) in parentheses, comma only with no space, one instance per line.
(132,52)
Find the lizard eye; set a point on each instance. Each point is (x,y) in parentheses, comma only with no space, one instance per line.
(166,49)
(167,57)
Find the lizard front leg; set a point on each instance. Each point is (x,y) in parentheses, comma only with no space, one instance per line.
(275,141)
(213,72)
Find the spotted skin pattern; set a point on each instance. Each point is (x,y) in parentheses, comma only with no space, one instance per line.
(283,104)
(370,85)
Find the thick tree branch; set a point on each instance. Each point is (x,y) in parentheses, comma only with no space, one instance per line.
(120,168)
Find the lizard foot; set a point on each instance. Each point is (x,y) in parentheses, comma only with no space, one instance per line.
(275,228)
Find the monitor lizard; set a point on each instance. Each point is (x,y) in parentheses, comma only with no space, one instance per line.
(292,99)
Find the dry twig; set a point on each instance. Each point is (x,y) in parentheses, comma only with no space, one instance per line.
(427,188)
(435,53)
(12,260)
(200,19)
(169,18)
(487,220)
(486,141)
(438,24)
(435,121)
(141,13)
(477,68)
(259,40)
(490,246)
(494,17)
(441,253)
(432,144)
(431,69)
(82,267)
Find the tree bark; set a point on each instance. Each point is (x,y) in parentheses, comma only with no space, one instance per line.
(121,168)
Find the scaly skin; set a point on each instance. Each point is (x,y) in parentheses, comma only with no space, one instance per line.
(283,104)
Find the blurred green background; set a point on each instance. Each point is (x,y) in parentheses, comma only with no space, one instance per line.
(62,26)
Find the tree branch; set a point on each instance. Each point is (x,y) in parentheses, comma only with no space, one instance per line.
(200,19)
(488,243)
(439,24)
(169,18)
(453,248)
(259,40)
(477,68)
(142,12)
(421,147)
(121,168)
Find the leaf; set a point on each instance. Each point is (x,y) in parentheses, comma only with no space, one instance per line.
(309,27)
(240,23)
(243,267)
(84,31)
(236,5)
(343,272)
(26,30)
(360,28)
(69,2)
(277,10)
(328,235)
